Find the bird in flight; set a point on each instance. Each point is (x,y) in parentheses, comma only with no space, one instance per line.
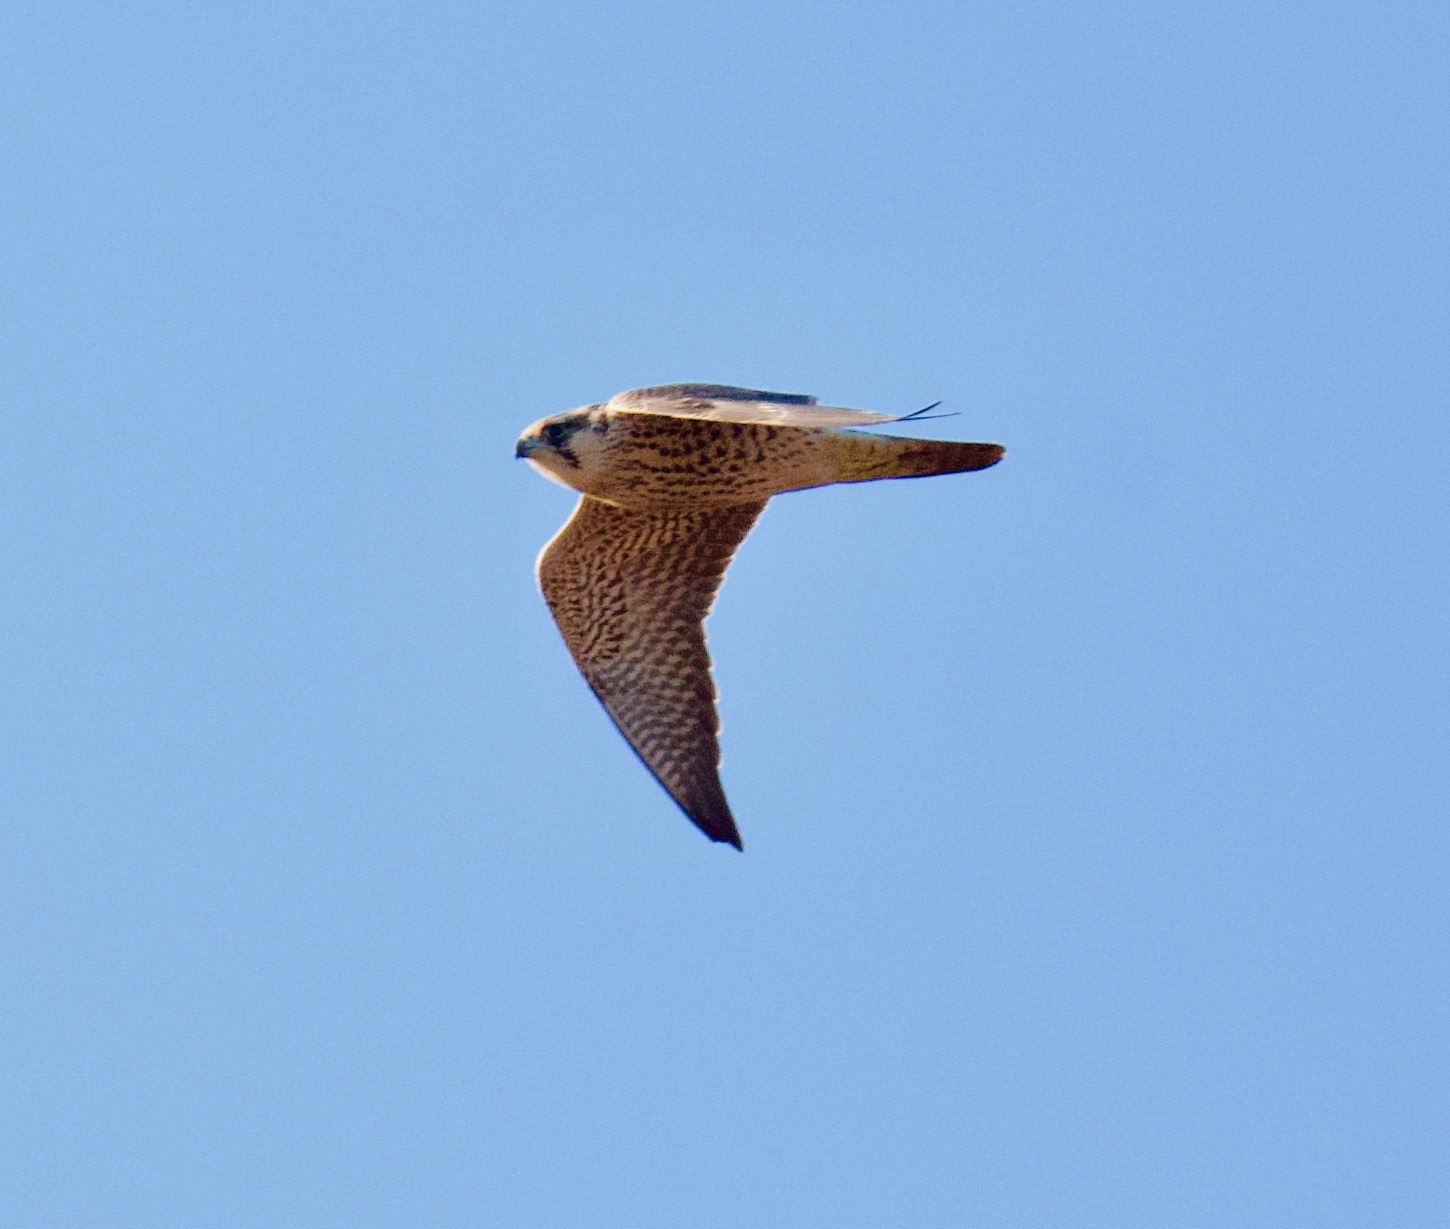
(672,480)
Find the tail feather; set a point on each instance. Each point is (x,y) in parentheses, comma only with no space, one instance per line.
(864,458)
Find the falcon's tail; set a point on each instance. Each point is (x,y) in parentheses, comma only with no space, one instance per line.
(860,457)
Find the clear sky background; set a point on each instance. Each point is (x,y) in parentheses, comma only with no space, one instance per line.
(1094,806)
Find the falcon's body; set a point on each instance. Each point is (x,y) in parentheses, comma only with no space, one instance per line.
(673,478)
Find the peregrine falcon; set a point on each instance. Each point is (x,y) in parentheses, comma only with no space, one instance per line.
(672,479)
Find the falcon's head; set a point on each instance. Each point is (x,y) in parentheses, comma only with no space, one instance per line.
(567,448)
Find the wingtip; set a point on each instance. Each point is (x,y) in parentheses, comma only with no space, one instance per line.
(725,833)
(711,815)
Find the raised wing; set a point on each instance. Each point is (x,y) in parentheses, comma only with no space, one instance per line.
(630,590)
(722,403)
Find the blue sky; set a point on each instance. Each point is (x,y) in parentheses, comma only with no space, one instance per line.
(1094,805)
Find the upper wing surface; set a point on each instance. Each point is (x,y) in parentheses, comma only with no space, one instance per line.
(723,403)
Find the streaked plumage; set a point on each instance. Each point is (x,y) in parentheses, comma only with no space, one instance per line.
(673,478)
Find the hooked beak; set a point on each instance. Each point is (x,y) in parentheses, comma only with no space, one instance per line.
(526,446)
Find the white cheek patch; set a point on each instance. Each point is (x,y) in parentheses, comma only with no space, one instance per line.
(588,447)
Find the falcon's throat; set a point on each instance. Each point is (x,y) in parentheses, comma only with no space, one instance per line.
(552,467)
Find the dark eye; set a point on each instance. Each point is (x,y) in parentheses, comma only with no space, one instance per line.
(556,434)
